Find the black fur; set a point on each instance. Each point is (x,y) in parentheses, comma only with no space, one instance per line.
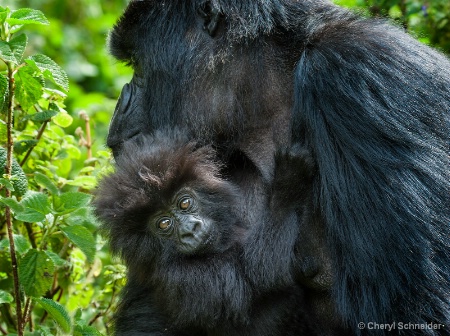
(369,102)
(211,292)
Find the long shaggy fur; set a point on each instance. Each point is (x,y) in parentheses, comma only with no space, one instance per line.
(369,102)
(215,292)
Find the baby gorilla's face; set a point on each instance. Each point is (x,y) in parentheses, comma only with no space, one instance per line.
(183,223)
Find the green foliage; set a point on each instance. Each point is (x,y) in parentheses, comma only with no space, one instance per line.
(428,20)
(52,279)
(19,185)
(58,312)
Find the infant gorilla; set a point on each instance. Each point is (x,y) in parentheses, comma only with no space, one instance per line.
(200,260)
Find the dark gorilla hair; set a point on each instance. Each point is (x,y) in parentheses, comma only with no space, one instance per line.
(371,105)
(182,230)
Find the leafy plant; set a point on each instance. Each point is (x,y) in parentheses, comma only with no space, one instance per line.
(49,235)
(428,20)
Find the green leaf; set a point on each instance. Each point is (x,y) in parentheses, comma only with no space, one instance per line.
(22,146)
(18,177)
(25,16)
(63,119)
(35,207)
(6,183)
(51,71)
(57,312)
(85,330)
(3,14)
(82,216)
(22,244)
(87,182)
(4,87)
(46,183)
(71,201)
(36,273)
(82,238)
(3,131)
(43,116)
(6,53)
(57,260)
(18,45)
(28,88)
(5,297)
(43,330)
(12,203)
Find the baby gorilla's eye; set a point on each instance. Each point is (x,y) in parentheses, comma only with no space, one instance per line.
(164,223)
(185,203)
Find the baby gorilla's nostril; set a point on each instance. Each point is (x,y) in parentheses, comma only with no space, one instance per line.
(196,226)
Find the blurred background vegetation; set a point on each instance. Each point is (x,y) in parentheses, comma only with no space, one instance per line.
(76,40)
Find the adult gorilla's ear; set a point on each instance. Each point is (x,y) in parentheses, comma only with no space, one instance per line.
(211,14)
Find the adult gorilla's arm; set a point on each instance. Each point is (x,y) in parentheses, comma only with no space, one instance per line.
(373,105)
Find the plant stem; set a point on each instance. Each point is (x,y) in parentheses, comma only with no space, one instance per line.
(47,233)
(8,170)
(88,144)
(38,137)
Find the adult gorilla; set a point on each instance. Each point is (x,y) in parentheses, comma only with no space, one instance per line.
(370,103)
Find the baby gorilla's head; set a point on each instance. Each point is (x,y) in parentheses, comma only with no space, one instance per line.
(167,198)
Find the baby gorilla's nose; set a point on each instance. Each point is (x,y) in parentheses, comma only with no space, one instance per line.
(192,234)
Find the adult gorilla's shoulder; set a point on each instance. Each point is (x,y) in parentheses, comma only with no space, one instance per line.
(372,105)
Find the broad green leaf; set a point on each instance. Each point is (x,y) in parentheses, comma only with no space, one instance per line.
(6,183)
(36,201)
(71,201)
(43,116)
(82,216)
(57,312)
(46,183)
(29,89)
(18,177)
(4,87)
(36,273)
(85,330)
(43,330)
(87,182)
(12,203)
(5,297)
(18,45)
(51,71)
(35,207)
(25,16)
(57,260)
(82,238)
(87,170)
(22,146)
(6,53)
(63,119)
(22,244)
